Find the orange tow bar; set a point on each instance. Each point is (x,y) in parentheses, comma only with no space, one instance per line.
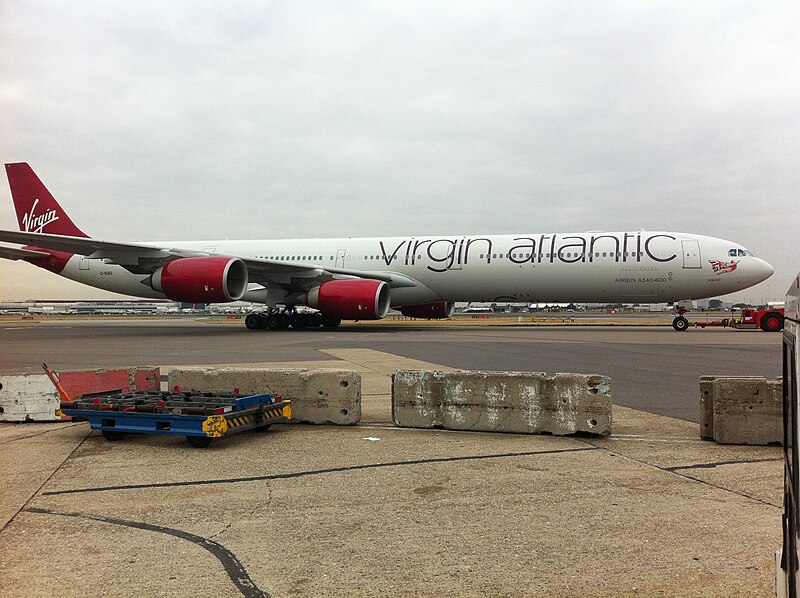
(57,383)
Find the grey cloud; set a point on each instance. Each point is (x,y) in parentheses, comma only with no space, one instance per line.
(290,119)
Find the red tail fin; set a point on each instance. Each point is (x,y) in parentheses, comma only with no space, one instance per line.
(37,210)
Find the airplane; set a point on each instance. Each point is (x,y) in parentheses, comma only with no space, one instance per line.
(362,278)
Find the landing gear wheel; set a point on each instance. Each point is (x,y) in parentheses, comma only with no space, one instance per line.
(299,320)
(330,321)
(772,323)
(273,321)
(113,435)
(199,441)
(315,320)
(680,323)
(283,321)
(255,322)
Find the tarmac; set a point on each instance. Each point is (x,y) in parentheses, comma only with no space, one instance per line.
(374,510)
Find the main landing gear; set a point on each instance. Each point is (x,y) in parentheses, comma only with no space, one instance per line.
(283,319)
(680,323)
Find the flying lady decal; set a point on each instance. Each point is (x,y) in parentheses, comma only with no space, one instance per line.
(723,267)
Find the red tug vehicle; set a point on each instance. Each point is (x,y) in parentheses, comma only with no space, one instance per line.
(767,319)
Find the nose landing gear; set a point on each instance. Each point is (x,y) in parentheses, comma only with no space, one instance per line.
(680,323)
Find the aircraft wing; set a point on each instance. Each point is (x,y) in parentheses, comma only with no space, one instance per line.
(297,275)
(145,259)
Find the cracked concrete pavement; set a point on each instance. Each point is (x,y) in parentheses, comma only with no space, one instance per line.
(374,510)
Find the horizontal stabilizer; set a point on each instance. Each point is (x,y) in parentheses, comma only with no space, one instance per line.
(12,253)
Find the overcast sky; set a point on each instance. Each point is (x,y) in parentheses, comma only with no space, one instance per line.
(185,120)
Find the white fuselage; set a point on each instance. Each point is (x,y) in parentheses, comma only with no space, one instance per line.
(628,267)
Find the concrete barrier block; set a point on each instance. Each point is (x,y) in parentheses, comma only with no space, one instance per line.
(707,403)
(32,397)
(517,402)
(706,407)
(747,411)
(82,382)
(27,397)
(320,396)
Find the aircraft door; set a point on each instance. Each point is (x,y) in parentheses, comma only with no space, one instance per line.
(83,264)
(691,253)
(340,255)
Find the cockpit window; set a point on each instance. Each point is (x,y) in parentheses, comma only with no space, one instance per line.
(738,252)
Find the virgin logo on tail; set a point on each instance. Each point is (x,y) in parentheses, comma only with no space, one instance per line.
(33,223)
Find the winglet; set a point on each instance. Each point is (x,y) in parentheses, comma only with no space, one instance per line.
(37,209)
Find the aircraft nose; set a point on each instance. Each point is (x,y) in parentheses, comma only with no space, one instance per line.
(763,270)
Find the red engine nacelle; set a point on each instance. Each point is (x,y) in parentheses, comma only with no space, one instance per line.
(438,309)
(361,299)
(202,279)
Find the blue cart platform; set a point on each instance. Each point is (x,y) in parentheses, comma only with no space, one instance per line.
(200,417)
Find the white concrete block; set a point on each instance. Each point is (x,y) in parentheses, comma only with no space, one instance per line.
(28,397)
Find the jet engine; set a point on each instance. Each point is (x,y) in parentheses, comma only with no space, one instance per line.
(213,279)
(438,309)
(356,299)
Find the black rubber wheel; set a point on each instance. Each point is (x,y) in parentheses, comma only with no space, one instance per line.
(315,320)
(112,435)
(199,441)
(772,323)
(263,428)
(299,320)
(680,323)
(330,321)
(255,322)
(272,321)
(283,321)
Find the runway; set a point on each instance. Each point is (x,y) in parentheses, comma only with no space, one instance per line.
(653,369)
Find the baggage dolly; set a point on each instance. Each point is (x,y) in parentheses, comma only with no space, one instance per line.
(201,417)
